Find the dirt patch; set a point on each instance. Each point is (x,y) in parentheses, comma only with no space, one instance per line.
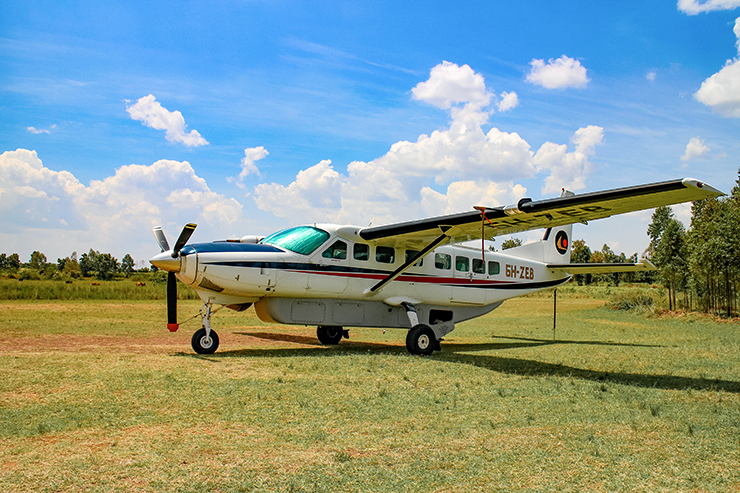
(240,337)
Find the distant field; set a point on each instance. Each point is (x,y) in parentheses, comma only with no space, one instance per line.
(96,395)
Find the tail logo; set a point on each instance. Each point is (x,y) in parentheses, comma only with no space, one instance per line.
(561,242)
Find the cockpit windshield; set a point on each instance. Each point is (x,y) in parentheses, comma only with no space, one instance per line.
(302,239)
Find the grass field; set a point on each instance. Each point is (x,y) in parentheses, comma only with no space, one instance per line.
(96,395)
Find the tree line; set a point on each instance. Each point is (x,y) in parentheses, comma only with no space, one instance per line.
(700,266)
(101,266)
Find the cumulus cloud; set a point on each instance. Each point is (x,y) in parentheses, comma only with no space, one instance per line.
(44,208)
(152,114)
(694,7)
(651,76)
(450,84)
(509,100)
(694,149)
(558,73)
(569,169)
(449,170)
(721,91)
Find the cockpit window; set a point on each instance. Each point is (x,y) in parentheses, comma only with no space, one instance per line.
(302,239)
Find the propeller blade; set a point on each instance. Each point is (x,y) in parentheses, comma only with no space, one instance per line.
(187,231)
(172,324)
(161,240)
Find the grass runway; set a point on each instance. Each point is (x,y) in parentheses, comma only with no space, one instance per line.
(96,395)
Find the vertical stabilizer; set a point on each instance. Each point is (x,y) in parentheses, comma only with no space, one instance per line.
(554,247)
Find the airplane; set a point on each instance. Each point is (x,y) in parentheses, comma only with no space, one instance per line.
(412,275)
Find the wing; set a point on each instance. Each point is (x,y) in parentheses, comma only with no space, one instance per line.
(527,215)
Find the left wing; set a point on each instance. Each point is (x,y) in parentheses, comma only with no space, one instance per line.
(527,215)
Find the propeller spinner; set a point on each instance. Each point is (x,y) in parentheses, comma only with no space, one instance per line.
(170,262)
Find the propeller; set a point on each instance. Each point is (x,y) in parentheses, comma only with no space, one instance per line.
(165,261)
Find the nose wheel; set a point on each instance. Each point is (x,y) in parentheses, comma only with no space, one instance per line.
(204,343)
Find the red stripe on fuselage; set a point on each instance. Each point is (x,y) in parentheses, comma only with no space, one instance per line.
(421,279)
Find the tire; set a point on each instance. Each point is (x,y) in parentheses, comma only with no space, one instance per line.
(201,344)
(329,335)
(421,340)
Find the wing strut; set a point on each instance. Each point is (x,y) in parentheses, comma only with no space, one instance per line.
(409,262)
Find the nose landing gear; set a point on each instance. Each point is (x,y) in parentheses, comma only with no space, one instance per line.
(205,340)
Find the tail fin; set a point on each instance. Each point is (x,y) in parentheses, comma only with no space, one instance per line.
(554,247)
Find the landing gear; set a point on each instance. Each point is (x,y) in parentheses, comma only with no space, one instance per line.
(204,343)
(205,340)
(421,340)
(330,335)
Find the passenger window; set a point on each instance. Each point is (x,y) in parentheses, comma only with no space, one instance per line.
(385,255)
(493,268)
(462,264)
(411,253)
(361,252)
(338,250)
(479,267)
(442,261)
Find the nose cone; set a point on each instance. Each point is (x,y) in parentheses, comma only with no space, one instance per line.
(165,261)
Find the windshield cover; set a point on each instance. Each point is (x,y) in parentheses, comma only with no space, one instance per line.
(302,239)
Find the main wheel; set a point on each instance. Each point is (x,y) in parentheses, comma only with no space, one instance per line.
(202,344)
(421,340)
(329,335)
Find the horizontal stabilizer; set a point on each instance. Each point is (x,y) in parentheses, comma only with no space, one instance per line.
(642,265)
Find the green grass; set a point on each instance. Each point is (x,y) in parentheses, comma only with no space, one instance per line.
(98,396)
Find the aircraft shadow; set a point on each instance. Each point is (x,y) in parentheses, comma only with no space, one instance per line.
(460,353)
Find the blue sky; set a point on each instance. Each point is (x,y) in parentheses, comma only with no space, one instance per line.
(249,116)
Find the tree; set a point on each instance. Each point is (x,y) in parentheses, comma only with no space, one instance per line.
(671,257)
(106,266)
(127,264)
(660,219)
(511,243)
(13,262)
(101,265)
(606,256)
(581,254)
(69,266)
(38,261)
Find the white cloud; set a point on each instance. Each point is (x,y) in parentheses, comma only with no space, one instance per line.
(509,100)
(449,85)
(558,73)
(154,115)
(694,149)
(693,7)
(721,91)
(51,210)
(470,166)
(251,155)
(651,76)
(37,131)
(569,169)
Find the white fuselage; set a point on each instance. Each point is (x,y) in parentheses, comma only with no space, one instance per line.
(330,284)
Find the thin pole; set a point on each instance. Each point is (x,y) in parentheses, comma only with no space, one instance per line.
(554,312)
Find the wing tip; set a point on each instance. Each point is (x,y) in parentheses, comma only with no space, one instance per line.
(693,182)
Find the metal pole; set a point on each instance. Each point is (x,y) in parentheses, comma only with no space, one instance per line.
(554,312)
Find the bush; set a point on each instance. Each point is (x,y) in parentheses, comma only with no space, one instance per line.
(640,300)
